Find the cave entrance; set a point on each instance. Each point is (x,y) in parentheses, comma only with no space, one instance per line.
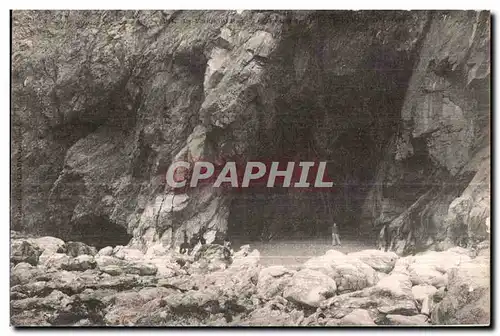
(344,118)
(98,231)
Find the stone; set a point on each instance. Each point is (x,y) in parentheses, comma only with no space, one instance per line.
(23,273)
(81,263)
(349,273)
(310,288)
(23,251)
(105,251)
(379,260)
(55,260)
(420,292)
(272,281)
(415,320)
(424,274)
(467,299)
(74,249)
(358,317)
(49,244)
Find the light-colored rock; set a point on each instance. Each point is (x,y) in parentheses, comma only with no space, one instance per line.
(56,260)
(349,273)
(358,317)
(272,281)
(422,274)
(467,300)
(23,251)
(81,263)
(420,292)
(379,260)
(415,320)
(49,244)
(310,287)
(105,251)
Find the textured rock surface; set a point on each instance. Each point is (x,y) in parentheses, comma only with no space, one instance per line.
(442,149)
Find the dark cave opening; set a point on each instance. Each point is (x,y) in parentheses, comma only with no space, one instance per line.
(366,108)
(98,231)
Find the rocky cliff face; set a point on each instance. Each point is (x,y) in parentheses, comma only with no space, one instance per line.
(396,102)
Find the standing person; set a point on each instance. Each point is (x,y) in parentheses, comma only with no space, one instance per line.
(335,235)
(228,251)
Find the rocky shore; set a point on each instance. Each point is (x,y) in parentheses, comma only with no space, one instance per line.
(57,283)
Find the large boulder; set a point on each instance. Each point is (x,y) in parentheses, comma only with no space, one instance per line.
(81,263)
(273,280)
(379,260)
(467,300)
(358,317)
(23,251)
(402,320)
(420,292)
(310,288)
(74,249)
(350,273)
(49,244)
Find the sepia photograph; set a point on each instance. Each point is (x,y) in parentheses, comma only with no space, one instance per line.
(250,168)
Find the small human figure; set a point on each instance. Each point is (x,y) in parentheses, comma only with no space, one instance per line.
(227,249)
(335,235)
(185,245)
(200,236)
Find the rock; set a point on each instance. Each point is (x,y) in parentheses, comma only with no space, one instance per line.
(112,269)
(210,258)
(105,251)
(140,268)
(420,292)
(427,305)
(129,254)
(467,300)
(271,317)
(272,281)
(23,273)
(379,260)
(55,260)
(81,263)
(424,274)
(49,244)
(74,249)
(358,317)
(309,287)
(396,285)
(349,273)
(441,261)
(23,251)
(415,320)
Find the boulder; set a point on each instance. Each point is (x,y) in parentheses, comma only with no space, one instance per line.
(358,317)
(74,249)
(379,260)
(81,263)
(349,273)
(425,274)
(310,288)
(420,292)
(23,273)
(415,320)
(54,260)
(23,251)
(105,251)
(467,300)
(49,244)
(272,281)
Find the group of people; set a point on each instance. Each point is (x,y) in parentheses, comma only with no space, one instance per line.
(188,245)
